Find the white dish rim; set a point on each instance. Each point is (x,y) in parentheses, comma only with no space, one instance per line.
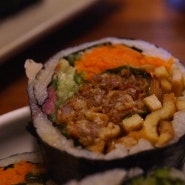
(21,40)
(20,113)
(15,138)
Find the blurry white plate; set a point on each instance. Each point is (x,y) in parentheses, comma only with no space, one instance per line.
(14,138)
(29,25)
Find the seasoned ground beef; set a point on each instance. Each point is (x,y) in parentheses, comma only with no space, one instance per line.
(94,114)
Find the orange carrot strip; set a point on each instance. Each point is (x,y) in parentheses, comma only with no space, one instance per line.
(16,174)
(112,56)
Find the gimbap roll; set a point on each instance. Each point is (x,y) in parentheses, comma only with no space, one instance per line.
(25,168)
(96,104)
(165,176)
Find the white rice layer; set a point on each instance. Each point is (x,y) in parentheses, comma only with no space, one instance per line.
(53,137)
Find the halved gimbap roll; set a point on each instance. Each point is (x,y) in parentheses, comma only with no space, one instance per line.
(103,104)
(165,176)
(25,168)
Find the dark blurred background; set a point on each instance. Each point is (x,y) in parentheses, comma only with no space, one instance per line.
(161,22)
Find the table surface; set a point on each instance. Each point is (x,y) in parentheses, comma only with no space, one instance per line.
(155,21)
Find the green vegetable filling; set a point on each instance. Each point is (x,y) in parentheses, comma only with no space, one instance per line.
(163,176)
(66,82)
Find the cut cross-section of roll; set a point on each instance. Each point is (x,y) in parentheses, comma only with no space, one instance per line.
(103,104)
(24,168)
(170,176)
